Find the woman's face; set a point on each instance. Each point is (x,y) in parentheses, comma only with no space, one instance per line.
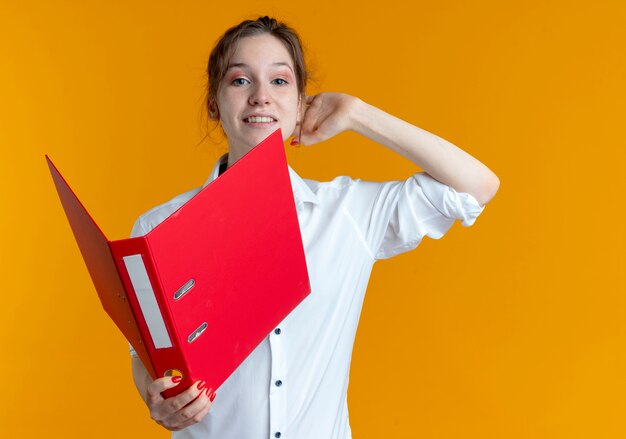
(258,93)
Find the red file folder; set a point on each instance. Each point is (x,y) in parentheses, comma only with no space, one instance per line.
(201,290)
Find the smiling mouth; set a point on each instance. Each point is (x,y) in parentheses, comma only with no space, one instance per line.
(259,119)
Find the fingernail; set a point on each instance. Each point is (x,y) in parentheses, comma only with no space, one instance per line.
(294,143)
(208,392)
(177,379)
(212,397)
(202,385)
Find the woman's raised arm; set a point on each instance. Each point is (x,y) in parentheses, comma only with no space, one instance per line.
(328,114)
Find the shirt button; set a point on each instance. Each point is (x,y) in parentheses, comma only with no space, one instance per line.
(277,434)
(277,331)
(278,383)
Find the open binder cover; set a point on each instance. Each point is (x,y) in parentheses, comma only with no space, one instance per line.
(201,290)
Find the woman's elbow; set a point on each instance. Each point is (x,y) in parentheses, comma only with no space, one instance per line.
(488,191)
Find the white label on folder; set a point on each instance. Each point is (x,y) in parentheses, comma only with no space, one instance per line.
(147,301)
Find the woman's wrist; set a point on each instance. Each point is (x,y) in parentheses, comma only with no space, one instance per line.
(358,115)
(377,125)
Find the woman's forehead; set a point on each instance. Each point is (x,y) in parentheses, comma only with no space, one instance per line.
(263,49)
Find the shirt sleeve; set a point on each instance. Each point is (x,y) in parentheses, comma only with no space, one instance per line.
(396,215)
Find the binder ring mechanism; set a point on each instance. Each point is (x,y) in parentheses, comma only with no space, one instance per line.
(184,289)
(195,334)
(180,293)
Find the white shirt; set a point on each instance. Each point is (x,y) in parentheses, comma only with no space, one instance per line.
(294,384)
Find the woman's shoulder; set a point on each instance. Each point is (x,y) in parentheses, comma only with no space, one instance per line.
(343,189)
(153,217)
(345,184)
(338,183)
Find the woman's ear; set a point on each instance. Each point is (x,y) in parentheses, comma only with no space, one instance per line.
(214,113)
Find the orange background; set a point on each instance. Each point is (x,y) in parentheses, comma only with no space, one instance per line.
(513,328)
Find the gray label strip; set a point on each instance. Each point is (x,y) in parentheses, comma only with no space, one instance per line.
(147,301)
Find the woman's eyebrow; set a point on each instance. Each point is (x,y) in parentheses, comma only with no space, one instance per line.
(280,64)
(246,66)
(237,64)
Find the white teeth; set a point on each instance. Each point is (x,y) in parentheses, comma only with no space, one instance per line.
(259,119)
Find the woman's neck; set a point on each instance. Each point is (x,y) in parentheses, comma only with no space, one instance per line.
(234,154)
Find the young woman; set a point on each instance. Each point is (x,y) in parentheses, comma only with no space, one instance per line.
(294,384)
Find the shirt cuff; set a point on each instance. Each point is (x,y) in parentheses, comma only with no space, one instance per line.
(132,351)
(453,204)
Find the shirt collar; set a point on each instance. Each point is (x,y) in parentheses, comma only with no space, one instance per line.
(301,191)
(216,170)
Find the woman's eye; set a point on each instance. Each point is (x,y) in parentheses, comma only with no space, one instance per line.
(240,81)
(279,81)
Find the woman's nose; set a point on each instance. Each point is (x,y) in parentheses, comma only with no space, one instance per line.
(259,96)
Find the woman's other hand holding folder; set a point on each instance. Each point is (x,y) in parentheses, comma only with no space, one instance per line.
(177,412)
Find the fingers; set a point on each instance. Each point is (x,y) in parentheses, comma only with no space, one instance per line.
(182,410)
(324,115)
(195,411)
(179,401)
(160,385)
(308,125)
(297,133)
(310,131)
